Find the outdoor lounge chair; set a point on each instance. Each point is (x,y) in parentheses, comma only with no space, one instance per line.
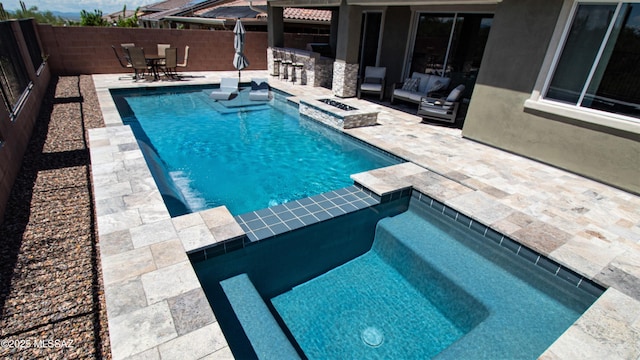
(441,109)
(259,90)
(228,87)
(374,81)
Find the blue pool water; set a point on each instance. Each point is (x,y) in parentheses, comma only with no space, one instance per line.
(417,285)
(243,155)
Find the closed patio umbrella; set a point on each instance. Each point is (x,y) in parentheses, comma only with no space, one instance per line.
(239,60)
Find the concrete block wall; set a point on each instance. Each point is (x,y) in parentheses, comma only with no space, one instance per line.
(87,50)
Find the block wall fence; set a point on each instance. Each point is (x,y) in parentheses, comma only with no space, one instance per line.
(87,50)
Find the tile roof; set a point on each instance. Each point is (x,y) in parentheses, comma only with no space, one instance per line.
(289,13)
(307,14)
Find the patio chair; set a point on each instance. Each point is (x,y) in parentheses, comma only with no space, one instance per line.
(374,81)
(228,87)
(183,64)
(138,61)
(443,109)
(170,63)
(259,89)
(161,51)
(125,64)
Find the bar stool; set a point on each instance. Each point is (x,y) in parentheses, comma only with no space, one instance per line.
(295,64)
(286,64)
(277,60)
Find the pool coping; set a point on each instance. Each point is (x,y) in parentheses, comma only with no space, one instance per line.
(149,283)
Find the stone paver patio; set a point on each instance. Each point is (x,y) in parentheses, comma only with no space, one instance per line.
(152,292)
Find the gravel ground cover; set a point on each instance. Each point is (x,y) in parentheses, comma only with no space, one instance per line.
(51,292)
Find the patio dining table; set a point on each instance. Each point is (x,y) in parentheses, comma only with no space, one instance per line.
(155,61)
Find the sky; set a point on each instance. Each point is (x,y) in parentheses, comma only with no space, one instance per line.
(75,6)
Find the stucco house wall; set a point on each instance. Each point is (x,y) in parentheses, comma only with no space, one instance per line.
(497,116)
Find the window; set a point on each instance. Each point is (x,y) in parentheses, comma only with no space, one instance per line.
(13,75)
(597,67)
(33,46)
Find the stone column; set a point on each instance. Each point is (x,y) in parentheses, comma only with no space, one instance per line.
(345,79)
(345,66)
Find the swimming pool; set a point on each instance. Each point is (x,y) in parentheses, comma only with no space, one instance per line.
(241,154)
(399,280)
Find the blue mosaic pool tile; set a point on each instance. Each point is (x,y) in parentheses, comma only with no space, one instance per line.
(494,235)
(478,227)
(511,245)
(437,205)
(300,212)
(294,224)
(293,205)
(518,249)
(308,219)
(338,201)
(231,245)
(312,208)
(264,223)
(591,288)
(280,228)
(262,233)
(255,224)
(464,220)
(305,201)
(336,211)
(450,212)
(323,215)
(569,276)
(348,207)
(548,264)
(264,212)
(285,215)
(279,209)
(529,254)
(270,220)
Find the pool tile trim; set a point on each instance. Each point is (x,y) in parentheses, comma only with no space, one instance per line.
(504,241)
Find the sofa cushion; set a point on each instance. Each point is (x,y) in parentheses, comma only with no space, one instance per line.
(424,81)
(372,80)
(438,85)
(370,87)
(407,95)
(455,94)
(411,84)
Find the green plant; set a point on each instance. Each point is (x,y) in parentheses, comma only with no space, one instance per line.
(92,19)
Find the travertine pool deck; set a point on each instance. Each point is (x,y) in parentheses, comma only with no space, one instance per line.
(156,307)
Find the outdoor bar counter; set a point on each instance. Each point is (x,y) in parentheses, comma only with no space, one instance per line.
(316,70)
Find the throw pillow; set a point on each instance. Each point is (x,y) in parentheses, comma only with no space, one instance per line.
(261,86)
(437,86)
(411,84)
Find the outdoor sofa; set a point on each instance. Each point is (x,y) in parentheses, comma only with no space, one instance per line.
(419,85)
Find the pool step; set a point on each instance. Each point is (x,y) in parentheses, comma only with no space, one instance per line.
(265,335)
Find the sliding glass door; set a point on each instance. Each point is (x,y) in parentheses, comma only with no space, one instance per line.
(450,45)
